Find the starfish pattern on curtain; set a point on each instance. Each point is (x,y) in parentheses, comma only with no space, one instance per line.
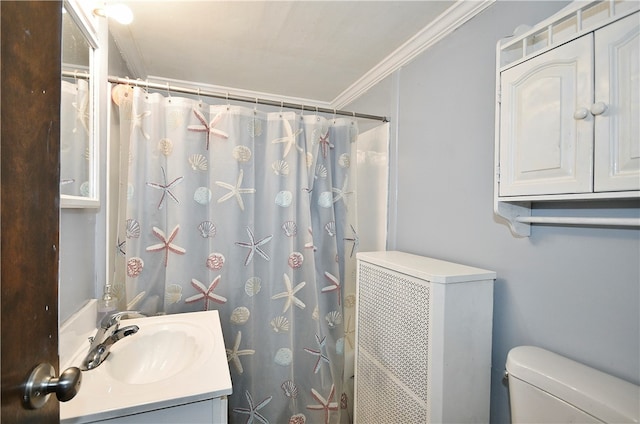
(262,228)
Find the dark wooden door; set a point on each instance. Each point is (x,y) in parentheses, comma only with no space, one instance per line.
(29,200)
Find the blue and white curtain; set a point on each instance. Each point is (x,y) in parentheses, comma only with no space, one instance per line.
(253,214)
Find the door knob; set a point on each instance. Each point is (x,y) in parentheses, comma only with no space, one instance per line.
(42,382)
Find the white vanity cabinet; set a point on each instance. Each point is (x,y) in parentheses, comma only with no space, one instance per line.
(211,411)
(174,369)
(568,110)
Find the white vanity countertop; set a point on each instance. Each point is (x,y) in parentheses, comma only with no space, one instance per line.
(200,352)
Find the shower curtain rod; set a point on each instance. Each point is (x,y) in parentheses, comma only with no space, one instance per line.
(254,100)
(75,74)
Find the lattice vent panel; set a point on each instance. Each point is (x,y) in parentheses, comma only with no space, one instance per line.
(393,337)
(382,402)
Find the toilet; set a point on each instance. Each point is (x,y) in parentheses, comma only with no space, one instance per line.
(545,387)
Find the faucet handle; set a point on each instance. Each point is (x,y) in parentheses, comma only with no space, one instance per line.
(113,319)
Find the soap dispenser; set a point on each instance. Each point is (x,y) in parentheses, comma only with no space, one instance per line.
(107,305)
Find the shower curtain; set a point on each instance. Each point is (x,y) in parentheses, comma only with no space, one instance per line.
(253,214)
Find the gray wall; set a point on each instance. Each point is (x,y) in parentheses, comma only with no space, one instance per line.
(77,259)
(567,289)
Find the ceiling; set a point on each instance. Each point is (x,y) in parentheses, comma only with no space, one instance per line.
(296,49)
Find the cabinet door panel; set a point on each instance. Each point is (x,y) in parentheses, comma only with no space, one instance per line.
(617,132)
(543,149)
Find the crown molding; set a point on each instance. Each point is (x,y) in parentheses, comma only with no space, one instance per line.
(454,17)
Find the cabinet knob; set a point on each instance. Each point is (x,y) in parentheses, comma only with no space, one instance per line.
(598,108)
(581,113)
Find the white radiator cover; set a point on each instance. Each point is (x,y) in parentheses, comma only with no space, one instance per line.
(423,340)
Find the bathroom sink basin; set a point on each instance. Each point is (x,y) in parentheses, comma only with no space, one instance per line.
(172,360)
(158,351)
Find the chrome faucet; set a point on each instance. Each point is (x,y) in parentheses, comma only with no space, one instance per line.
(108,333)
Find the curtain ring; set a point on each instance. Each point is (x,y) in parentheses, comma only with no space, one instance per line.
(168,93)
(227,97)
(301,112)
(128,85)
(199,98)
(317,116)
(146,90)
(255,108)
(334,116)
(281,107)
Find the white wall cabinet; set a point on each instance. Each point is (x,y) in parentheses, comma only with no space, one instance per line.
(617,94)
(543,149)
(568,111)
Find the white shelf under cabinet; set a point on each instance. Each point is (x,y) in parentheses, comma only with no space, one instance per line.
(567,117)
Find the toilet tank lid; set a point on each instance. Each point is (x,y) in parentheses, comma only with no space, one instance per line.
(604,396)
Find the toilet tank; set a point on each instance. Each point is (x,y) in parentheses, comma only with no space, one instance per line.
(545,387)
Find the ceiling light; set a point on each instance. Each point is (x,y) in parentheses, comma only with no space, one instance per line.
(120,12)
